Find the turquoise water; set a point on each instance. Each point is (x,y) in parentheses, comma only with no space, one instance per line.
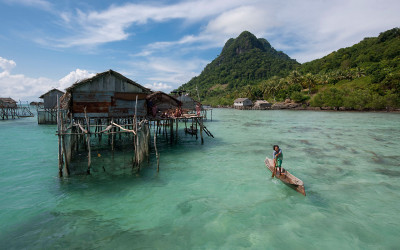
(213,196)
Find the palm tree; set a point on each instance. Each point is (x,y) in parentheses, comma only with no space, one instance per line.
(294,77)
(310,81)
(248,91)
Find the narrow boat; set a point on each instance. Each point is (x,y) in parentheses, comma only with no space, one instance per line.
(287,178)
(191,130)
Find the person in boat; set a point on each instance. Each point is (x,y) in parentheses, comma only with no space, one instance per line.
(278,157)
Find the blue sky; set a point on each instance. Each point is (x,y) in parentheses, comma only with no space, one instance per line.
(163,44)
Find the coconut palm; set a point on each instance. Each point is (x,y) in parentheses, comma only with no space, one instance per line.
(310,81)
(294,77)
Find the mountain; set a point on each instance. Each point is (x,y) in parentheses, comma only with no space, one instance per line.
(365,76)
(243,61)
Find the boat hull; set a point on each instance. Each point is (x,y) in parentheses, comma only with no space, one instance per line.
(288,179)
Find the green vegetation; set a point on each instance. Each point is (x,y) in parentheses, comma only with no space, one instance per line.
(365,76)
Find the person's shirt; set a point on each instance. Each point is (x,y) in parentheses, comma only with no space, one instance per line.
(280,156)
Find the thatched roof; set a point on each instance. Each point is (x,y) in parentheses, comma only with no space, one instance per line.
(7,100)
(160,97)
(48,92)
(65,101)
(111,72)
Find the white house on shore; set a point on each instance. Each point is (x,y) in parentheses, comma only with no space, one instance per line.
(242,103)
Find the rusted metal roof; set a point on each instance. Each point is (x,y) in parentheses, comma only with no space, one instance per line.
(111,72)
(50,91)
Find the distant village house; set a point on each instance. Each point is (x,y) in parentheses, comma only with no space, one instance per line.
(8,103)
(262,105)
(242,103)
(47,114)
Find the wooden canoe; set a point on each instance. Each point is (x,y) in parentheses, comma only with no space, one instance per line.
(191,130)
(287,178)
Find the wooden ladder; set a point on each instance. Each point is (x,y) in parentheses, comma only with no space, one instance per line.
(205,129)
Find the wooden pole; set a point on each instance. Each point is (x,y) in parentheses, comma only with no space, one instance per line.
(60,173)
(196,128)
(157,155)
(64,149)
(112,137)
(137,157)
(172,130)
(201,130)
(88,142)
(176,130)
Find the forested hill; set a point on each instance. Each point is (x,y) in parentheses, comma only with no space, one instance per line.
(373,54)
(243,61)
(365,76)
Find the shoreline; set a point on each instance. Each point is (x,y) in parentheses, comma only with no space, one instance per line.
(308,108)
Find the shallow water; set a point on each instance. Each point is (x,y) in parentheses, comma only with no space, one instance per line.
(216,195)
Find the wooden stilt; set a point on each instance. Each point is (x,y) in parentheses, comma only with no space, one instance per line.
(137,158)
(88,142)
(60,173)
(196,128)
(172,130)
(64,149)
(176,130)
(112,137)
(157,155)
(201,130)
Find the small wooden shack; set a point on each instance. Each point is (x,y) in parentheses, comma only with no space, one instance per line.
(8,108)
(262,105)
(242,103)
(160,102)
(8,102)
(47,114)
(50,98)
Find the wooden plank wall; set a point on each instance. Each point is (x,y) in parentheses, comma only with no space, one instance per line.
(108,96)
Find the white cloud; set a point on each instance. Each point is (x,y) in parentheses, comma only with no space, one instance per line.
(7,65)
(305,30)
(73,77)
(169,71)
(99,27)
(159,86)
(24,88)
(41,4)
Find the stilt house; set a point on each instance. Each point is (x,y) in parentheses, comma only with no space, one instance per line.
(48,113)
(242,103)
(160,102)
(8,108)
(8,103)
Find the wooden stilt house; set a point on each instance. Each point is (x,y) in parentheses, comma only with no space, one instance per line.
(47,114)
(8,108)
(106,105)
